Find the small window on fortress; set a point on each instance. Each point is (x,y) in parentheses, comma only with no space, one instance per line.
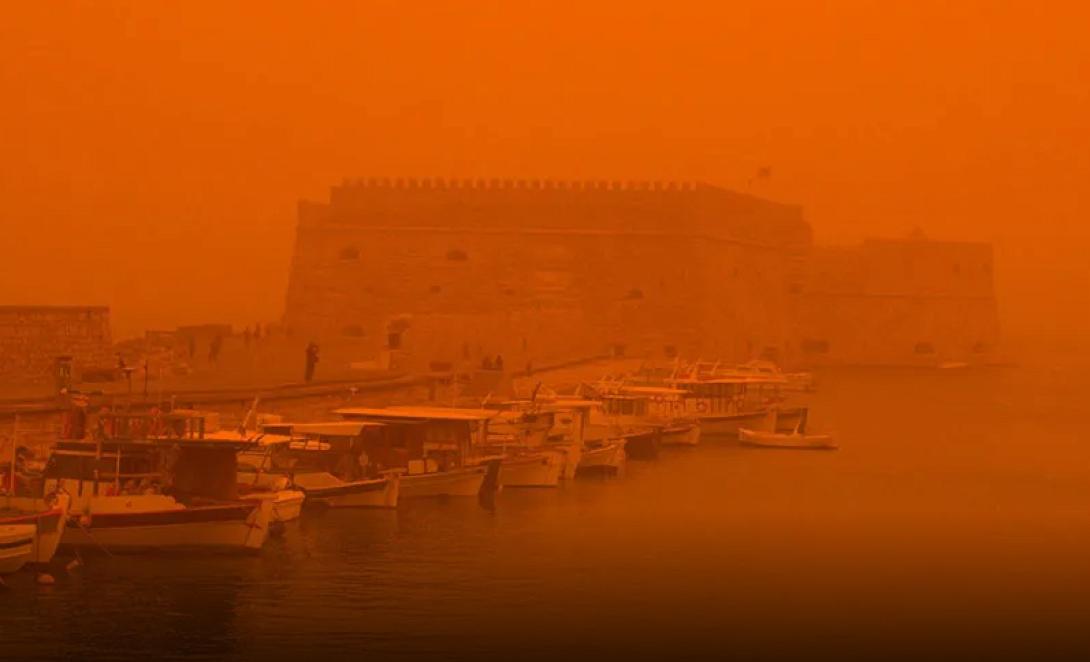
(980,347)
(435,289)
(669,351)
(634,294)
(353,331)
(924,348)
(812,346)
(457,255)
(349,254)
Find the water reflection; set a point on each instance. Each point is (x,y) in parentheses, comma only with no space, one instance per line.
(956,510)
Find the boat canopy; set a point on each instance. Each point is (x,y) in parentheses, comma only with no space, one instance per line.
(416,413)
(322,429)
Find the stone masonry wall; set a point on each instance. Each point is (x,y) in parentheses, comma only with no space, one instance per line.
(544,273)
(32,337)
(899,302)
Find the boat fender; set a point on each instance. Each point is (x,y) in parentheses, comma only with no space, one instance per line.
(701,406)
(45,579)
(85,521)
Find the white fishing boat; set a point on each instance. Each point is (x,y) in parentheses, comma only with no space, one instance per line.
(16,547)
(588,455)
(798,438)
(437,448)
(155,483)
(46,519)
(520,435)
(723,404)
(328,462)
(648,416)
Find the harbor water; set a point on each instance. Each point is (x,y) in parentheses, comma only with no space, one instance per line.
(955,517)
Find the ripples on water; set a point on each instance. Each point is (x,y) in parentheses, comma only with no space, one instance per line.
(955,515)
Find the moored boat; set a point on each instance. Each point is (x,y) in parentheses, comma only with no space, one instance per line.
(327,462)
(586,454)
(438,449)
(47,518)
(155,483)
(16,546)
(797,438)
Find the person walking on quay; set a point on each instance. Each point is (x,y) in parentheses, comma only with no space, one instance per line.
(214,349)
(498,365)
(312,360)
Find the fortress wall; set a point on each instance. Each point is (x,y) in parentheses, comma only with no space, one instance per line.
(548,274)
(900,302)
(32,337)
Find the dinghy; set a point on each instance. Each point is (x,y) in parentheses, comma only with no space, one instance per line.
(797,438)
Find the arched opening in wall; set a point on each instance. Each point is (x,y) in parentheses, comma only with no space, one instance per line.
(617,350)
(349,254)
(924,348)
(393,340)
(352,331)
(457,255)
(635,294)
(770,353)
(980,347)
(669,351)
(814,346)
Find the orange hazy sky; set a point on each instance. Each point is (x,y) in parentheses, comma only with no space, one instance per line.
(151,153)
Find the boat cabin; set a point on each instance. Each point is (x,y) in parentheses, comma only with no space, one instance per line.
(345,449)
(190,469)
(423,439)
(727,395)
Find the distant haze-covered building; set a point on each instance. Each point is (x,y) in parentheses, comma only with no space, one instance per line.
(442,273)
(899,302)
(451,271)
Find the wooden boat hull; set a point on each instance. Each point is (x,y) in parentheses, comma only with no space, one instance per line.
(16,546)
(464,481)
(48,518)
(606,458)
(374,493)
(789,441)
(680,435)
(287,505)
(536,470)
(240,526)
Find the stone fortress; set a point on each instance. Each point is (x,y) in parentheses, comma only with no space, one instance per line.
(437,275)
(434,274)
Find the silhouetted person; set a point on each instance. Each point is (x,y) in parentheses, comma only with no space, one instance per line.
(192,347)
(312,360)
(257,332)
(486,363)
(499,362)
(214,349)
(246,335)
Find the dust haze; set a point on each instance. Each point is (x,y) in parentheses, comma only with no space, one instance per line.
(154,152)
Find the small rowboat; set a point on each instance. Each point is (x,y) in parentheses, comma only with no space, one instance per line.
(787,440)
(797,438)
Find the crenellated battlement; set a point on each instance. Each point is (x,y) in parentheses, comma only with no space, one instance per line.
(507,184)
